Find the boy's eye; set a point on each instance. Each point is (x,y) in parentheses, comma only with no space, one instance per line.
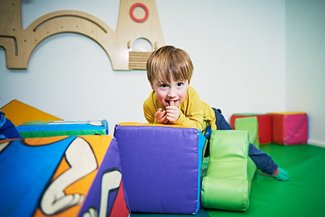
(179,84)
(163,85)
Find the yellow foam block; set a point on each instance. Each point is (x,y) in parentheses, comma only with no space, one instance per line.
(150,125)
(19,113)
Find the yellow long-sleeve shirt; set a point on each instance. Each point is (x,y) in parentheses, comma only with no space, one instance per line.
(195,113)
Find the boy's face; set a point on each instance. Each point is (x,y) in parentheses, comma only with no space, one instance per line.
(173,93)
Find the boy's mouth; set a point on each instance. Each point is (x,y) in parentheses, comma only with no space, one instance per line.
(172,102)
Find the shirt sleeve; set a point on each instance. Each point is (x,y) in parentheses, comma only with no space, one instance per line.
(193,122)
(149,109)
(147,113)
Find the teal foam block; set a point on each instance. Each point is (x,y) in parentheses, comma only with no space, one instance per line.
(63,128)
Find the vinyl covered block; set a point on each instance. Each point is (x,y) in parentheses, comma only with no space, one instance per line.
(264,125)
(62,128)
(61,176)
(290,128)
(161,167)
(227,183)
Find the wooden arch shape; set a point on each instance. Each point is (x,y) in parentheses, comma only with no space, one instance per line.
(19,44)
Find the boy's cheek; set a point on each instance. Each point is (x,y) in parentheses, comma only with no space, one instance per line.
(161,100)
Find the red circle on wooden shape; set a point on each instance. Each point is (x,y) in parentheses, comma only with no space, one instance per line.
(144,7)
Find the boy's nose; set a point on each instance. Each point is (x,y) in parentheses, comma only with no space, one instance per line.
(171,93)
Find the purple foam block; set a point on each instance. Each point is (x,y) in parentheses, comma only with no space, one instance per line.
(160,168)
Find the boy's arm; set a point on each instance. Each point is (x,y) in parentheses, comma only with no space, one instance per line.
(190,116)
(193,121)
(192,112)
(149,113)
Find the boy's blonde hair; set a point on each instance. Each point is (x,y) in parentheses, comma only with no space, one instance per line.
(167,63)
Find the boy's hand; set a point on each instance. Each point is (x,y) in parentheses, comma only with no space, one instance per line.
(172,112)
(161,117)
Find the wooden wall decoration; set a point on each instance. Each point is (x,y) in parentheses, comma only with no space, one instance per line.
(136,20)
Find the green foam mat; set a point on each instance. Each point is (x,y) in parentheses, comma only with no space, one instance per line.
(302,195)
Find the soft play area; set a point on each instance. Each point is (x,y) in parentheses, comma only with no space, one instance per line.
(74,79)
(78,168)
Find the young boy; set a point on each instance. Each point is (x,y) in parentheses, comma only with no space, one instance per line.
(173,101)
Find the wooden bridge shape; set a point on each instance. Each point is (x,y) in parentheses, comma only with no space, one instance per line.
(136,20)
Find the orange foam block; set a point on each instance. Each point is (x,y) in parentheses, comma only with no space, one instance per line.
(19,113)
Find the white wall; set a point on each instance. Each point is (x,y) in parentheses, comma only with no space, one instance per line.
(238,49)
(305,63)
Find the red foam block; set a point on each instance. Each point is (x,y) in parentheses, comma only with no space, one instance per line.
(290,128)
(264,125)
